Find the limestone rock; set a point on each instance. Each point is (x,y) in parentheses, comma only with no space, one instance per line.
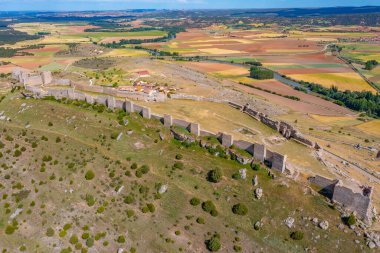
(120,250)
(315,221)
(259,193)
(289,222)
(255,180)
(162,137)
(243,173)
(119,136)
(324,225)
(163,189)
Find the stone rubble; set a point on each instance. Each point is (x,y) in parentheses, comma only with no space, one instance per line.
(163,189)
(289,222)
(243,173)
(324,225)
(259,193)
(255,180)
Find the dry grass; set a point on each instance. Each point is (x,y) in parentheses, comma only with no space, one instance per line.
(344,81)
(371,127)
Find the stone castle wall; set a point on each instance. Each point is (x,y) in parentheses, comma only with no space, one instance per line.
(354,198)
(358,201)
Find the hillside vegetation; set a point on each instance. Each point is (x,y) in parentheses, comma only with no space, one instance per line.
(71,183)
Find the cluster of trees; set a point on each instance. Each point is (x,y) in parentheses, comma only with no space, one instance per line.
(371,64)
(11,36)
(363,101)
(261,73)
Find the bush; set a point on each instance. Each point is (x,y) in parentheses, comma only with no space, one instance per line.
(151,208)
(214,176)
(49,232)
(179,157)
(256,166)
(129,199)
(178,165)
(90,242)
(351,220)
(134,166)
(200,220)
(121,239)
(90,200)
(296,235)
(89,175)
(213,244)
(209,207)
(240,209)
(195,201)
(73,239)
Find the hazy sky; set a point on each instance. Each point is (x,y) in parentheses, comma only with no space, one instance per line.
(172,4)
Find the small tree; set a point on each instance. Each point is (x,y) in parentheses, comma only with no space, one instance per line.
(214,176)
(296,235)
(195,201)
(89,175)
(213,244)
(351,220)
(240,209)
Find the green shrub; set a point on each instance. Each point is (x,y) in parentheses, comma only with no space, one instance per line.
(200,220)
(121,239)
(178,165)
(89,175)
(129,199)
(10,229)
(130,213)
(73,239)
(100,209)
(90,242)
(237,248)
(209,207)
(179,157)
(134,166)
(351,220)
(256,166)
(240,209)
(215,175)
(151,207)
(213,244)
(90,200)
(85,236)
(195,201)
(296,235)
(50,232)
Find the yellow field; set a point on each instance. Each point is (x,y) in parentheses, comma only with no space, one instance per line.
(232,72)
(344,81)
(217,51)
(335,120)
(126,52)
(371,127)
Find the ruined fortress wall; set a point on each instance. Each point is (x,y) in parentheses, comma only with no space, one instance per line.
(207,133)
(279,162)
(110,91)
(354,201)
(235,105)
(63,82)
(101,100)
(89,88)
(80,96)
(260,152)
(226,140)
(120,104)
(137,108)
(181,123)
(157,117)
(244,145)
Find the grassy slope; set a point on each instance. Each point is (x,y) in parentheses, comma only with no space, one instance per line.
(83,146)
